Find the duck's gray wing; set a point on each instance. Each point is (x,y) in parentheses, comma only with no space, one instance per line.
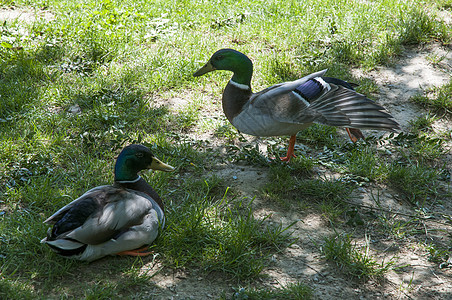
(312,100)
(100,215)
(282,102)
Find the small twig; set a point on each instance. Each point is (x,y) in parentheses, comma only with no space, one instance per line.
(307,265)
(384,251)
(436,284)
(426,230)
(442,281)
(398,213)
(423,266)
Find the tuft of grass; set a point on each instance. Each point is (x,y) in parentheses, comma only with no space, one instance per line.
(11,288)
(341,250)
(280,68)
(439,255)
(397,227)
(318,135)
(132,281)
(326,195)
(418,184)
(301,166)
(422,123)
(445,4)
(365,163)
(102,290)
(187,117)
(436,97)
(218,235)
(248,153)
(226,131)
(329,191)
(419,147)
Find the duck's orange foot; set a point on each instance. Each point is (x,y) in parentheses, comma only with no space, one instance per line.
(137,252)
(287,158)
(355,134)
(290,150)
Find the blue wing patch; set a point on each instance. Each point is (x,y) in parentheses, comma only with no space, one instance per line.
(310,89)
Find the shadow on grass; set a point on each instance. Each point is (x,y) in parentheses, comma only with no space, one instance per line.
(20,83)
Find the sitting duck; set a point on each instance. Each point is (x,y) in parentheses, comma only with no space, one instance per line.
(112,219)
(289,107)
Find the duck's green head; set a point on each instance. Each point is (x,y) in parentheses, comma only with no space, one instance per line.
(231,60)
(135,158)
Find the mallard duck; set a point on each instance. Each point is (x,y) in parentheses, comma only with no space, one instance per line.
(287,108)
(111,219)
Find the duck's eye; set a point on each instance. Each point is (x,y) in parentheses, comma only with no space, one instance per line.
(139,154)
(219,57)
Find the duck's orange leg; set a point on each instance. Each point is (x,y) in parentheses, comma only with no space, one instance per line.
(136,252)
(355,134)
(290,150)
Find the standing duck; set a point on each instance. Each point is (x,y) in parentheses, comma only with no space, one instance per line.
(111,219)
(286,108)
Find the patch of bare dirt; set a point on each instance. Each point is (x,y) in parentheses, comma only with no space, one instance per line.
(21,15)
(414,72)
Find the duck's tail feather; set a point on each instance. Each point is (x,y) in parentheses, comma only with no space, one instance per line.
(343,107)
(65,247)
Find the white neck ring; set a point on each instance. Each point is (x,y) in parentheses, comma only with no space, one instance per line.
(130,181)
(239,85)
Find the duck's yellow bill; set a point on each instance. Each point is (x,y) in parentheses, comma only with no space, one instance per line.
(205,69)
(157,164)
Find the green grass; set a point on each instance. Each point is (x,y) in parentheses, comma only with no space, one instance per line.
(291,187)
(422,123)
(417,184)
(365,162)
(355,262)
(75,90)
(436,97)
(439,255)
(218,235)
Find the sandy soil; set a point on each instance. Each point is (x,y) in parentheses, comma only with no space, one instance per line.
(27,16)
